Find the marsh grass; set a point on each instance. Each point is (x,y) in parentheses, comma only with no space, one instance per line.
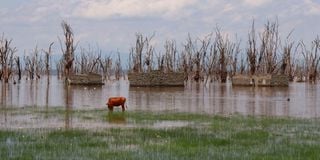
(204,137)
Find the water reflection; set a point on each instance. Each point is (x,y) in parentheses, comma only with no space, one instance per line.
(3,104)
(116,118)
(213,98)
(68,100)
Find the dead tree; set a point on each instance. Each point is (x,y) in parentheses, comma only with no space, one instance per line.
(252,50)
(201,54)
(18,64)
(59,68)
(29,66)
(170,55)
(194,58)
(148,61)
(33,64)
(312,59)
(160,60)
(242,66)
(47,59)
(185,64)
(141,54)
(190,59)
(106,65)
(68,49)
(225,49)
(118,68)
(140,43)
(287,64)
(270,40)
(234,59)
(211,62)
(88,61)
(6,58)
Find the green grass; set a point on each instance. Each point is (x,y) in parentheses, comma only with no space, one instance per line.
(203,137)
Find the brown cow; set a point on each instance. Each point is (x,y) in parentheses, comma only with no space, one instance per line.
(116,101)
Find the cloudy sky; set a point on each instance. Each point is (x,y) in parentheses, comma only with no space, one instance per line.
(112,24)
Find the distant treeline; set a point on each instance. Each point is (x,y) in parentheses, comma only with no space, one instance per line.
(212,58)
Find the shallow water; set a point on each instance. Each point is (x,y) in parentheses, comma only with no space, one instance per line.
(298,100)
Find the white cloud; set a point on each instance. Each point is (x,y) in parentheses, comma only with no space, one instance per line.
(312,8)
(131,8)
(228,8)
(110,22)
(256,3)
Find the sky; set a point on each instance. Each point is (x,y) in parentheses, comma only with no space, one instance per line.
(111,25)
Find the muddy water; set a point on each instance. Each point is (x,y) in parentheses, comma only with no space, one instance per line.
(298,100)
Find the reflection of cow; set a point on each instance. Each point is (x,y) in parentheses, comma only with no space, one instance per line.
(116,101)
(116,118)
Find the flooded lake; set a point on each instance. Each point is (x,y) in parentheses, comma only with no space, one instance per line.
(298,100)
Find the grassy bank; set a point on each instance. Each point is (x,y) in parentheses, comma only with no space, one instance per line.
(143,135)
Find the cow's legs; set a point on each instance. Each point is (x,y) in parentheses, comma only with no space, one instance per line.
(123,109)
(110,108)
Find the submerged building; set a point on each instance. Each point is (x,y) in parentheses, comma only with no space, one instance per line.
(156,78)
(268,80)
(85,79)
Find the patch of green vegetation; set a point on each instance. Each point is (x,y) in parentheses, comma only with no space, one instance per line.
(140,117)
(204,137)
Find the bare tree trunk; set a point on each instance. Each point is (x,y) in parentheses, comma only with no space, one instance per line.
(106,65)
(143,46)
(47,59)
(252,50)
(118,68)
(6,58)
(225,48)
(312,59)
(68,51)
(287,61)
(270,41)
(170,55)
(17,59)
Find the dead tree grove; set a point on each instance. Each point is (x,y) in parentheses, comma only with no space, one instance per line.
(6,58)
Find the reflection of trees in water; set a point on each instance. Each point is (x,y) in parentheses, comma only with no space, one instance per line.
(244,98)
(254,107)
(216,98)
(194,92)
(285,103)
(312,95)
(47,94)
(268,101)
(4,101)
(33,92)
(222,99)
(68,104)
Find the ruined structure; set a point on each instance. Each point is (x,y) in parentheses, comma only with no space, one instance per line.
(268,80)
(156,78)
(85,79)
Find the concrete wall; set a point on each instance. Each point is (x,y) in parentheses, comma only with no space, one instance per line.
(280,80)
(85,79)
(260,80)
(156,78)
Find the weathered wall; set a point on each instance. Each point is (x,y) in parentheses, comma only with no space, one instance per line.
(241,80)
(260,80)
(85,79)
(156,78)
(280,80)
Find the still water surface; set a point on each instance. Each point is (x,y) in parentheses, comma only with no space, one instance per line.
(298,100)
